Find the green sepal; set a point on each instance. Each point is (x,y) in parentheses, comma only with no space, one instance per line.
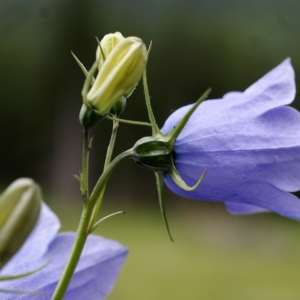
(91,142)
(79,178)
(160,184)
(82,67)
(155,129)
(12,277)
(88,117)
(130,92)
(174,133)
(101,49)
(21,292)
(88,81)
(119,106)
(154,153)
(105,218)
(180,182)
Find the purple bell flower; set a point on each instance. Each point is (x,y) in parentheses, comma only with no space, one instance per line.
(95,274)
(249,143)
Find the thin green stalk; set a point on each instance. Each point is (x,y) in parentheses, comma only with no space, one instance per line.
(155,129)
(105,218)
(108,157)
(84,186)
(129,121)
(13,277)
(83,228)
(81,231)
(74,257)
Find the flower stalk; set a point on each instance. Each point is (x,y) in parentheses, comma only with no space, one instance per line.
(85,225)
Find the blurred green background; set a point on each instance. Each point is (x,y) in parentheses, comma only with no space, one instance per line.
(226,45)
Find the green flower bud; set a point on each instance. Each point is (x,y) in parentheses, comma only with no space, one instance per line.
(119,106)
(108,42)
(121,70)
(88,117)
(20,206)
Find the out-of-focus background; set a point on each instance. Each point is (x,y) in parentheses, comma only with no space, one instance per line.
(226,45)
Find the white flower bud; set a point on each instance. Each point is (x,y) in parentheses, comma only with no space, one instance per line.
(121,70)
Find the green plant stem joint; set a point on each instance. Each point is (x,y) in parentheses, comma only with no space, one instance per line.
(153,154)
(119,106)
(88,117)
(156,153)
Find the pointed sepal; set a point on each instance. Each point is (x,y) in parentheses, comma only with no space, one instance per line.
(173,134)
(180,182)
(160,184)
(82,67)
(101,49)
(78,177)
(155,129)
(12,277)
(105,218)
(21,292)
(89,81)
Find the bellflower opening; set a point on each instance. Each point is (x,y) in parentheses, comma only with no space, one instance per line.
(249,143)
(95,274)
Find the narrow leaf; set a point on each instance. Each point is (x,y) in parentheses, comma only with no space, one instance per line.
(82,67)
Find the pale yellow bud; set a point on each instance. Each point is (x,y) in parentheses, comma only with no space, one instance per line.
(122,69)
(108,42)
(20,206)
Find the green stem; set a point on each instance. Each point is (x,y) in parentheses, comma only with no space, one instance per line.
(109,153)
(81,231)
(83,228)
(155,129)
(84,186)
(74,257)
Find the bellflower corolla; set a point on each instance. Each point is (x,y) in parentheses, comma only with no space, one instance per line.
(95,274)
(249,143)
